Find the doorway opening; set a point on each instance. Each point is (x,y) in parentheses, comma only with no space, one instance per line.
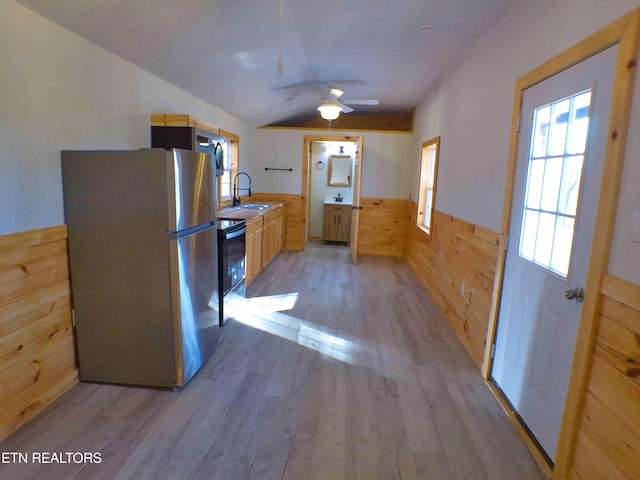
(331,181)
(330,192)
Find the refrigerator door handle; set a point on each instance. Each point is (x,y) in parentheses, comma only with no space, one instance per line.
(190,231)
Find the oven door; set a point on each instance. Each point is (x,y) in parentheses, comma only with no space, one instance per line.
(232,251)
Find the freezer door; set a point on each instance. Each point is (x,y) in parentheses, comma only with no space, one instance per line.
(194,299)
(190,188)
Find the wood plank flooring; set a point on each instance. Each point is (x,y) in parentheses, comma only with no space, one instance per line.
(335,371)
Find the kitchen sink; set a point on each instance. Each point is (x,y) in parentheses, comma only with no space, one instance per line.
(255,206)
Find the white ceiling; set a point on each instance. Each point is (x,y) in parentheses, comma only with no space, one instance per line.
(225,51)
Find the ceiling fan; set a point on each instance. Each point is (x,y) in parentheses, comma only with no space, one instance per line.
(331,106)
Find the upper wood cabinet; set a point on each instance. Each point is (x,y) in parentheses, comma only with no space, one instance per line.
(182,120)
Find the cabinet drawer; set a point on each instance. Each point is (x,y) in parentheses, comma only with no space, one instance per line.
(270,217)
(337,208)
(254,225)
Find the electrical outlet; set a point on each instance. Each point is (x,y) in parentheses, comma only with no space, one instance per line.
(462,290)
(635,226)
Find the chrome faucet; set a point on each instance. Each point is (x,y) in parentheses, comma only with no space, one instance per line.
(236,188)
(339,198)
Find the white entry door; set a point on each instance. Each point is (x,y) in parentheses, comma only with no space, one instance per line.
(561,147)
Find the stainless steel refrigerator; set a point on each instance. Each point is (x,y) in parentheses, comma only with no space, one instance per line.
(142,252)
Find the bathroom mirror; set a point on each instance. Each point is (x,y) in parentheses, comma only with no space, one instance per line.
(339,173)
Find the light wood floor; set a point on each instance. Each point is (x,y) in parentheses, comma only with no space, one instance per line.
(361,378)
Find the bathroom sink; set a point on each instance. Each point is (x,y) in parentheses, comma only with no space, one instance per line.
(255,206)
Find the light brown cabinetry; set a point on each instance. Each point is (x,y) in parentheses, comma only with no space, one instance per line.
(264,240)
(281,229)
(273,237)
(253,245)
(269,238)
(337,223)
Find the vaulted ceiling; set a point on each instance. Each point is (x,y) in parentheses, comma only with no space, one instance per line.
(226,51)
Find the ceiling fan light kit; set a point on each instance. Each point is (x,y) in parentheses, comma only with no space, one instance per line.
(329,110)
(331,106)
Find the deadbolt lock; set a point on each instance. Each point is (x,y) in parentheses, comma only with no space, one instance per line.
(577,294)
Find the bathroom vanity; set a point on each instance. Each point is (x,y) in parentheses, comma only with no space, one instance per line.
(336,226)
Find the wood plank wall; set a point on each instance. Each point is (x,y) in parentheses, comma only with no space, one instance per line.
(37,353)
(295,233)
(608,439)
(457,252)
(383,226)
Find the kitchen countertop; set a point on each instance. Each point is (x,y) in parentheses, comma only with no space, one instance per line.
(241,213)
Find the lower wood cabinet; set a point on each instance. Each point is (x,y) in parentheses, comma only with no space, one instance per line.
(253,244)
(336,226)
(269,247)
(264,240)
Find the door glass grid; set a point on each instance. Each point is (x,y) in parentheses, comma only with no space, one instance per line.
(554,170)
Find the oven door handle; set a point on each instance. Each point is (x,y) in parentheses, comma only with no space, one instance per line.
(232,235)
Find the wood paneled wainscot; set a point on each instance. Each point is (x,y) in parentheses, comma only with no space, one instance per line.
(37,356)
(608,439)
(456,253)
(382,227)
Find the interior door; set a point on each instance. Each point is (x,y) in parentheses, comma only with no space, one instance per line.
(556,188)
(357,204)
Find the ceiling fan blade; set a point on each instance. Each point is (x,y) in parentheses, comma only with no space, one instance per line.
(335,93)
(346,109)
(363,101)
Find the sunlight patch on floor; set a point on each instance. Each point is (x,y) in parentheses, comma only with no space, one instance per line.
(265,313)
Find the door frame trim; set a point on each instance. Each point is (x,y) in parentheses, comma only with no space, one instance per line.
(626,33)
(306,158)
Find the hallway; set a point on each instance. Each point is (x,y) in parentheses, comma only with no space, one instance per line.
(335,371)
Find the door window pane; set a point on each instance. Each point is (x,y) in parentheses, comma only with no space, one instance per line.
(534,183)
(570,187)
(540,132)
(528,234)
(562,242)
(544,239)
(559,123)
(554,171)
(580,126)
(551,185)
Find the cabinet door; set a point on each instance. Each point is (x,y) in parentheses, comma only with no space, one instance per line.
(268,243)
(337,223)
(343,233)
(280,232)
(329,224)
(257,249)
(249,258)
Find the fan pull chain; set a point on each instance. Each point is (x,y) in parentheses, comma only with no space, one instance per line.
(279,65)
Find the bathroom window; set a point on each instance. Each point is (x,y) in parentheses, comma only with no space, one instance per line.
(428,180)
(230,149)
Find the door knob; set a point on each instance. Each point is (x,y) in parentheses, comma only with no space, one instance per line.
(577,294)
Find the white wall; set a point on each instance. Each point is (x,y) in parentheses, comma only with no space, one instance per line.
(387,161)
(471,110)
(58,91)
